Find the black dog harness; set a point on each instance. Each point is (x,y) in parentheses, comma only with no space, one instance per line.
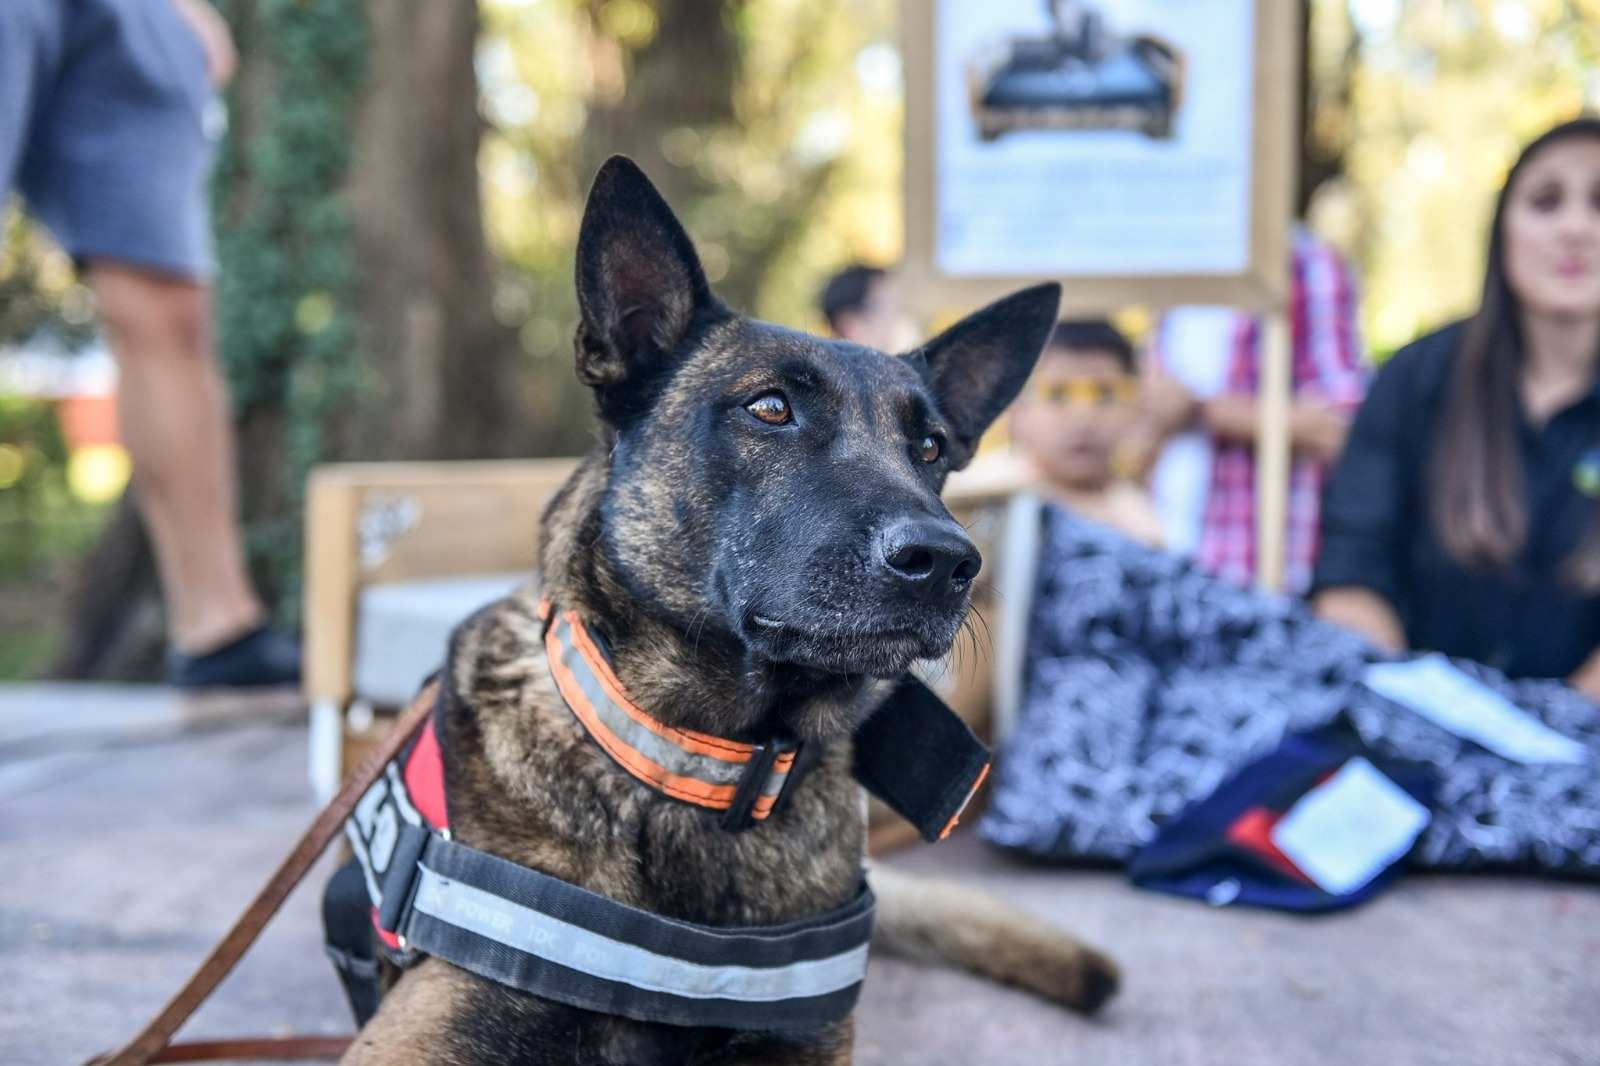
(422,893)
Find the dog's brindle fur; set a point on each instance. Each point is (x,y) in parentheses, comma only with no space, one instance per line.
(735,569)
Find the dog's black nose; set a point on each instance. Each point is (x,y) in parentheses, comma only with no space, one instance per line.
(929,556)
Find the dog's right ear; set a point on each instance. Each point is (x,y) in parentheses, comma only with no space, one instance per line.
(979,365)
(639,283)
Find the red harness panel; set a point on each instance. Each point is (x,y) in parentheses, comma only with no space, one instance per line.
(424,776)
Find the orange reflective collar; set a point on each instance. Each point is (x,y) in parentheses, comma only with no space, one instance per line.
(914,752)
(744,780)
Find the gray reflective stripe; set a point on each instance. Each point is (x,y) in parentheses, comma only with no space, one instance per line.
(369,812)
(576,948)
(359,846)
(402,797)
(366,811)
(662,752)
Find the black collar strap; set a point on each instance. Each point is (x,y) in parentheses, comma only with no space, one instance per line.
(914,753)
(919,757)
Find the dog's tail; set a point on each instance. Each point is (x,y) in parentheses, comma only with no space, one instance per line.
(922,918)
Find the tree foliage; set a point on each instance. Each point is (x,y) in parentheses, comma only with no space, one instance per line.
(39,297)
(287,274)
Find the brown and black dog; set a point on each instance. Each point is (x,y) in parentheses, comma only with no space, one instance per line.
(759,536)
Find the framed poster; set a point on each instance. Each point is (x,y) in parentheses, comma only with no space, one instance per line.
(1138,151)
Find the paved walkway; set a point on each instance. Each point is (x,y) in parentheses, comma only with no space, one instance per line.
(132,833)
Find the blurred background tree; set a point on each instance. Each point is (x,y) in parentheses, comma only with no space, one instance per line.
(772,127)
(362,314)
(40,300)
(401,189)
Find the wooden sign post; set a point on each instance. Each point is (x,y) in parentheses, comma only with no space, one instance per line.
(1274,396)
(1141,152)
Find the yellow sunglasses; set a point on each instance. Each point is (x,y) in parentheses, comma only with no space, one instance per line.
(1086,392)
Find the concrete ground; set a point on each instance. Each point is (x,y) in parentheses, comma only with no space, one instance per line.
(131,835)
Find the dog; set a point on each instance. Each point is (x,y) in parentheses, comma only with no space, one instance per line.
(758,536)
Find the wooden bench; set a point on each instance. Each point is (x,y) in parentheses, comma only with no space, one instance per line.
(398,553)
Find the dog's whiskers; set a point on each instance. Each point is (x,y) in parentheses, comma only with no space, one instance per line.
(697,627)
(988,633)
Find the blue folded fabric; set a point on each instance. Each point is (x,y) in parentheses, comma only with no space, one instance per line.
(1222,850)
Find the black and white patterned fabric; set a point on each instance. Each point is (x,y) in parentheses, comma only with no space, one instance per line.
(1149,682)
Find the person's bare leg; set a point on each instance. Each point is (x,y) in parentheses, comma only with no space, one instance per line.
(173,412)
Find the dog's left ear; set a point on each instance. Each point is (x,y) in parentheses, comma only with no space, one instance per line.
(639,282)
(978,365)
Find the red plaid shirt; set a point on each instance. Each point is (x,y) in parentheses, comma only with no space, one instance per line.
(1327,365)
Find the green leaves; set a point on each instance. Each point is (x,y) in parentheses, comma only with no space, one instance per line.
(287,278)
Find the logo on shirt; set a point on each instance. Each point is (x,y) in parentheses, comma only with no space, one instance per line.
(1586,474)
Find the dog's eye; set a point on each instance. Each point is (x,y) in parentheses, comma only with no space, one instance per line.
(772,408)
(931,448)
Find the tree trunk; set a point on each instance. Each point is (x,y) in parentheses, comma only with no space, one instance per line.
(683,78)
(116,628)
(1328,94)
(449,379)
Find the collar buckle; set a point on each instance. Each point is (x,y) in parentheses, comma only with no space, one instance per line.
(740,814)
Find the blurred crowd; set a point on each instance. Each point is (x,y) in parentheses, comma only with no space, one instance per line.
(1448,500)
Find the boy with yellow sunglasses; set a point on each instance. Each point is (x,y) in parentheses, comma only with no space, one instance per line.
(1081,404)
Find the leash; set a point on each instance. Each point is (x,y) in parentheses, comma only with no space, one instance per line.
(153,1043)
(800,971)
(270,1048)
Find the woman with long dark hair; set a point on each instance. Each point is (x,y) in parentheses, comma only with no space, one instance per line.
(1464,515)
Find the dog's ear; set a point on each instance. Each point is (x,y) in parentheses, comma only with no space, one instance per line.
(639,281)
(978,365)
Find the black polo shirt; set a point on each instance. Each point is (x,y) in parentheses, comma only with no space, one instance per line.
(1377,529)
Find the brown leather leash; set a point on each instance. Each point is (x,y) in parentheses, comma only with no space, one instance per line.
(270,1048)
(153,1044)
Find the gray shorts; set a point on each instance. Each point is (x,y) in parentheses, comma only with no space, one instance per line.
(108,126)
